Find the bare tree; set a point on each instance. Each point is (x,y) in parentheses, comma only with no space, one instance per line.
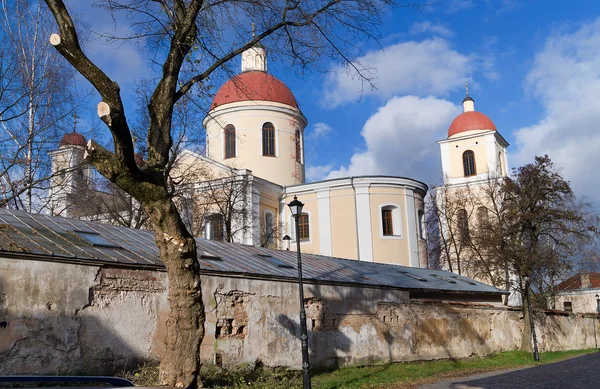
(36,101)
(193,41)
(219,206)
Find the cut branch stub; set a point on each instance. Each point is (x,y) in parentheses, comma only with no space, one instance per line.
(55,39)
(89,149)
(104,112)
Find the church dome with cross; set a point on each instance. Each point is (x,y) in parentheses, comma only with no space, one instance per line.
(255,123)
(470,120)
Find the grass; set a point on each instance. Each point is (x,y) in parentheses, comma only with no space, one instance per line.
(392,375)
(406,375)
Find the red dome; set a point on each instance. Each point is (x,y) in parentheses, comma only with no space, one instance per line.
(254,85)
(468,121)
(73,139)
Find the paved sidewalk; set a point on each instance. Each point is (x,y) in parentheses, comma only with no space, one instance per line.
(574,373)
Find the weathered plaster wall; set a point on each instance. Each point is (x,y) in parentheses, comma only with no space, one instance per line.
(64,318)
(59,318)
(582,300)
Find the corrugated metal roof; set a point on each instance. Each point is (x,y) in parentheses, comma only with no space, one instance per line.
(60,239)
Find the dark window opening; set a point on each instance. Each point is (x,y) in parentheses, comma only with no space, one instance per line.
(469,163)
(216,225)
(463,226)
(386,217)
(268,135)
(298,147)
(229,141)
(568,307)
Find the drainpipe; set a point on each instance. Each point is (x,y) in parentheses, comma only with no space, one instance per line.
(356,217)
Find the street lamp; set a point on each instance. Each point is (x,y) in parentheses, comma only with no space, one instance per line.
(536,355)
(598,312)
(296,210)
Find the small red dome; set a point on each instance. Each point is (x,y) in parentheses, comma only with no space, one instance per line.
(468,121)
(73,139)
(254,85)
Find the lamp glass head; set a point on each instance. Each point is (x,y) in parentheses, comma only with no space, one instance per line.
(295,207)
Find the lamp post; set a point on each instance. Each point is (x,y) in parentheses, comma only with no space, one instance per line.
(536,355)
(598,312)
(296,210)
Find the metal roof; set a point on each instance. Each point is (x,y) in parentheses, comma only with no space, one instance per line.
(54,238)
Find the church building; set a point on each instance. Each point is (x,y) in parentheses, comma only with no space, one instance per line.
(255,136)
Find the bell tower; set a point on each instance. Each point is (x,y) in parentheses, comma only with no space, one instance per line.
(69,172)
(474,150)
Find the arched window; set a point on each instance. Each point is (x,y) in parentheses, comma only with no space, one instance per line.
(258,62)
(469,163)
(390,221)
(500,162)
(268,136)
(298,141)
(463,226)
(230,141)
(387,220)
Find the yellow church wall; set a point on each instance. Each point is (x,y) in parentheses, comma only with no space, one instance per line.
(343,223)
(458,147)
(389,249)
(248,121)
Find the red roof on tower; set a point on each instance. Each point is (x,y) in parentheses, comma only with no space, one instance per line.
(468,121)
(73,139)
(251,86)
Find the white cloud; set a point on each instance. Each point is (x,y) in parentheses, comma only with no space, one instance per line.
(399,139)
(317,173)
(430,67)
(320,130)
(565,76)
(428,27)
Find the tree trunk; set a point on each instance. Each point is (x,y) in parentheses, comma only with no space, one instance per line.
(180,366)
(526,337)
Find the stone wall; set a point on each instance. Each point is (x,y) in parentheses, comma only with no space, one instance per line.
(67,318)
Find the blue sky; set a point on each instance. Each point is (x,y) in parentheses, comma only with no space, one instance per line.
(533,67)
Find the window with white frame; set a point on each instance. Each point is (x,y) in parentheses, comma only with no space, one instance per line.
(303,227)
(268,140)
(390,225)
